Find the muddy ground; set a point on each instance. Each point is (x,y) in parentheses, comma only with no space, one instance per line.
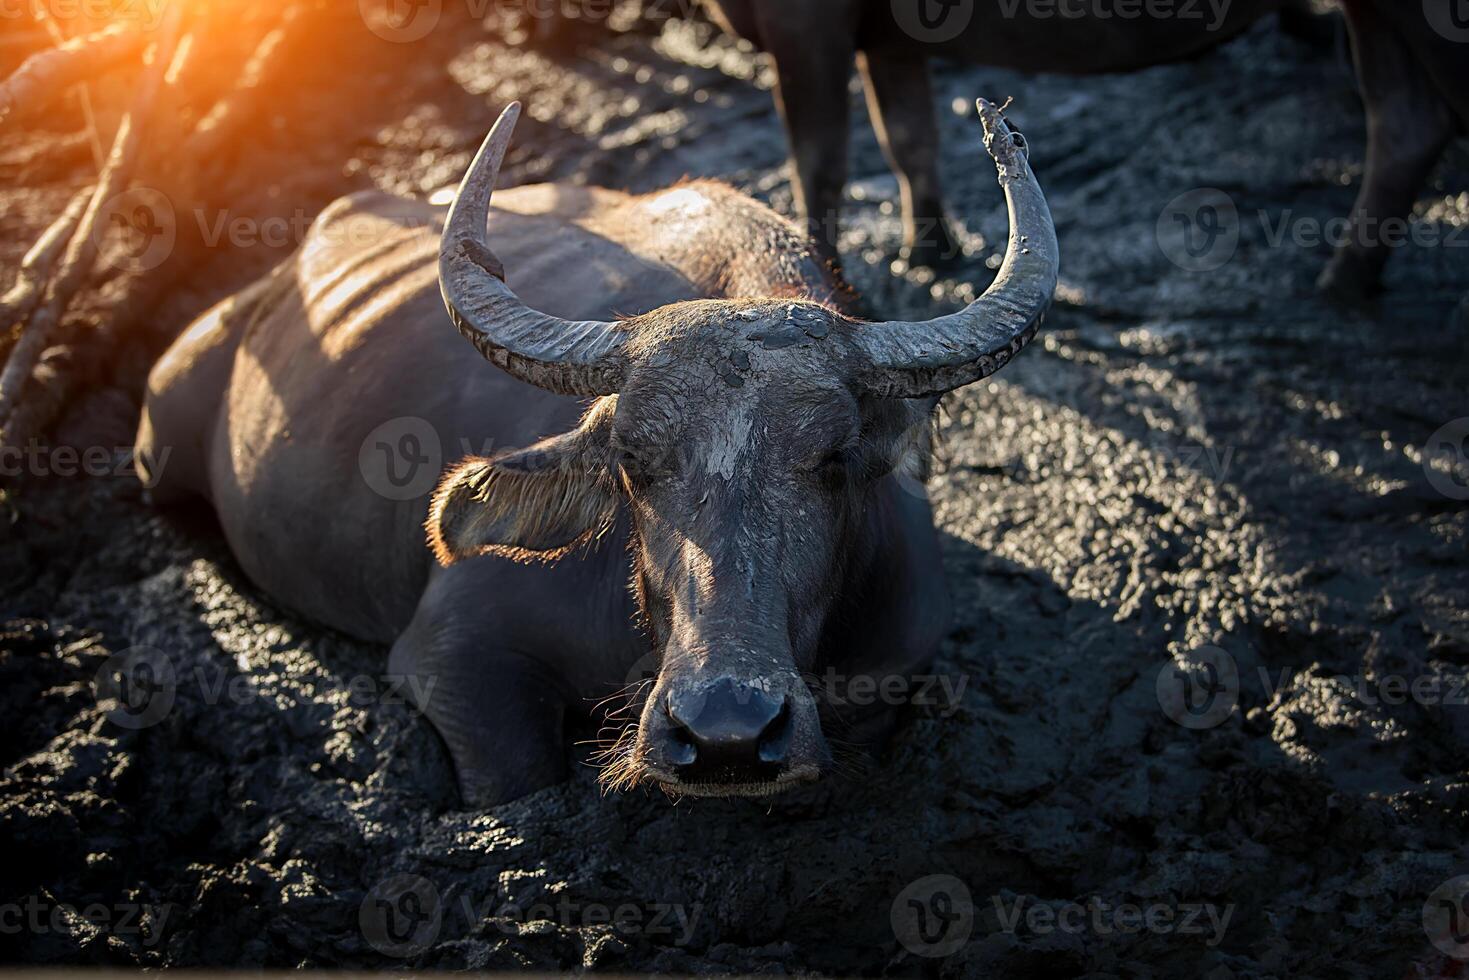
(1194,466)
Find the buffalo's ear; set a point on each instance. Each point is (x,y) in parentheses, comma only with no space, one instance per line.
(533,503)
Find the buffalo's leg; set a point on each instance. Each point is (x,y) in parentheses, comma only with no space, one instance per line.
(499,713)
(900,102)
(813,64)
(1408,125)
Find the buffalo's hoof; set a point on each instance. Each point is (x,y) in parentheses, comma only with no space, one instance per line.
(1347,284)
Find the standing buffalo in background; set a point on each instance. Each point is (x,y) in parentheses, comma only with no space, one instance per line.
(1415,83)
(749,462)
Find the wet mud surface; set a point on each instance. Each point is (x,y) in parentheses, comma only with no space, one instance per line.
(1193,465)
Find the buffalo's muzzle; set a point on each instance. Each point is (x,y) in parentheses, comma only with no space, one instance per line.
(731,738)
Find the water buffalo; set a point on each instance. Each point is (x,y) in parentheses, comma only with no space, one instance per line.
(1414,80)
(749,463)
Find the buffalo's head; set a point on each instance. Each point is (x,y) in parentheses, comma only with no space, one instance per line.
(743,439)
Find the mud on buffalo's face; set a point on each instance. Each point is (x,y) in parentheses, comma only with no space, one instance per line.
(743,438)
(744,457)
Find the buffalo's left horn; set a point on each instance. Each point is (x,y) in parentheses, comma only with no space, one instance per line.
(571,357)
(914,360)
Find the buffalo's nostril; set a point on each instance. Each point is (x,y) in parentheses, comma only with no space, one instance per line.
(681,750)
(775,740)
(728,732)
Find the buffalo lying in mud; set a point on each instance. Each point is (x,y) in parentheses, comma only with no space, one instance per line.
(1414,80)
(751,463)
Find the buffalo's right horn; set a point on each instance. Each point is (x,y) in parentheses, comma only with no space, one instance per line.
(914,360)
(570,357)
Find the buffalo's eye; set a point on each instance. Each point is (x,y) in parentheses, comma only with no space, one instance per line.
(629,464)
(640,464)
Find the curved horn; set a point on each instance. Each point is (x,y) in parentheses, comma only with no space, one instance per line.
(915,360)
(570,357)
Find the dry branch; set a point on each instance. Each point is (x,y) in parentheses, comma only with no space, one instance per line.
(185,176)
(243,101)
(20,300)
(81,251)
(47,74)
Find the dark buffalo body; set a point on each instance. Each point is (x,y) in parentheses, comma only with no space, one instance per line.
(697,465)
(1414,79)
